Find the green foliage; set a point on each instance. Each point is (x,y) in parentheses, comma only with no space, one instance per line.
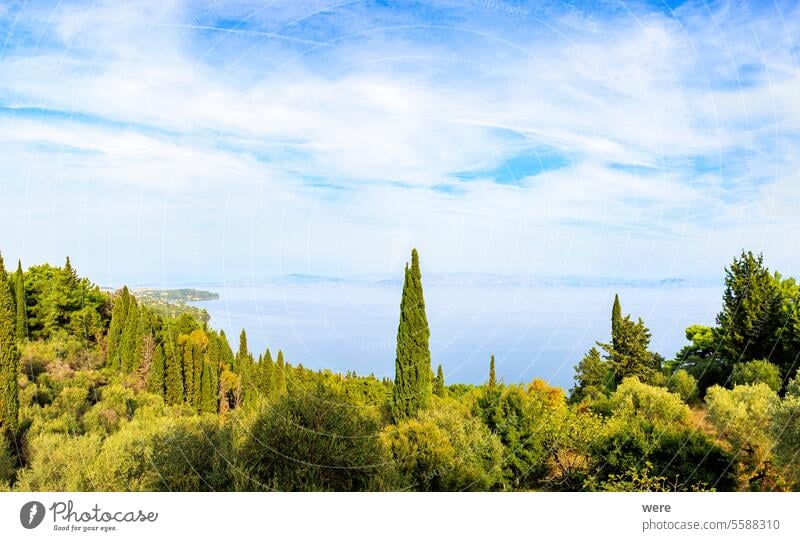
(21,304)
(412,384)
(7,464)
(683,384)
(627,354)
(743,416)
(9,359)
(518,418)
(190,454)
(616,320)
(60,462)
(438,383)
(443,449)
(785,431)
(758,308)
(119,312)
(699,358)
(156,377)
(568,437)
(58,299)
(651,425)
(492,373)
(593,378)
(312,441)
(753,372)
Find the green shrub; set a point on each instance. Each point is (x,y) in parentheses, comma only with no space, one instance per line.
(59,462)
(651,425)
(190,454)
(444,449)
(683,384)
(742,416)
(312,441)
(785,431)
(519,419)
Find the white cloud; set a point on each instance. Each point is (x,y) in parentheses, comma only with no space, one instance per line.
(387,115)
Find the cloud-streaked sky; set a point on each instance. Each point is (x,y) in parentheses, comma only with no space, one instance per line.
(158,141)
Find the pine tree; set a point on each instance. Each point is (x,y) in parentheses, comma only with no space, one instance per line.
(492,374)
(21,304)
(9,359)
(438,383)
(616,318)
(412,386)
(156,375)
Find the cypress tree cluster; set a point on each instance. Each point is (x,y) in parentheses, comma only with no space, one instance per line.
(9,358)
(412,384)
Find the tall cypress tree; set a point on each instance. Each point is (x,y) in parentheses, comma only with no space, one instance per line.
(243,355)
(155,377)
(412,383)
(208,391)
(616,319)
(492,374)
(21,304)
(173,386)
(438,383)
(118,315)
(129,340)
(9,358)
(280,375)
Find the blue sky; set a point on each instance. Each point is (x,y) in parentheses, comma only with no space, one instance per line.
(166,142)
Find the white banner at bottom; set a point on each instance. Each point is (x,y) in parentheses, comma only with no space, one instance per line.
(401,516)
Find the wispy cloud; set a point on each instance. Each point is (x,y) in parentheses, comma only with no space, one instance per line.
(249,138)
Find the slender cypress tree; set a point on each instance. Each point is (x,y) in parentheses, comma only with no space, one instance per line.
(21,304)
(129,341)
(173,386)
(227,353)
(492,374)
(208,392)
(616,319)
(243,355)
(118,315)
(155,377)
(412,384)
(438,383)
(9,358)
(266,370)
(280,375)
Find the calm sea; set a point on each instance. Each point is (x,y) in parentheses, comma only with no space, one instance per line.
(533,331)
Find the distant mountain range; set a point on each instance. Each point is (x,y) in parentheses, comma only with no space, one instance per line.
(465,279)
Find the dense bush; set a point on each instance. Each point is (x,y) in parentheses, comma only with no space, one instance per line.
(519,418)
(313,441)
(445,449)
(650,426)
(743,416)
(684,385)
